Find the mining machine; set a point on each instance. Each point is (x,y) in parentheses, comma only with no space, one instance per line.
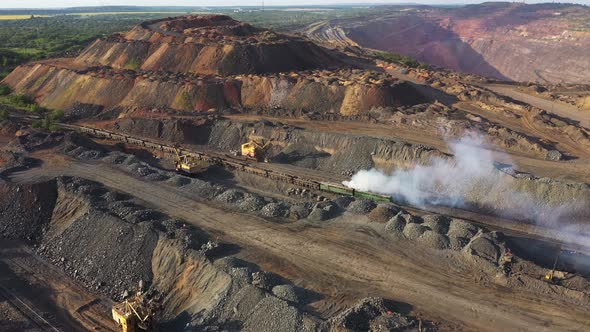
(185,163)
(136,313)
(256,149)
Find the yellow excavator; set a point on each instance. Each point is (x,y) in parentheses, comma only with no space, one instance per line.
(184,163)
(135,314)
(256,148)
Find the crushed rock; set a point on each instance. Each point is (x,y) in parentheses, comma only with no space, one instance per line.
(265,280)
(252,203)
(434,240)
(323,211)
(437,223)
(286,292)
(299,211)
(396,224)
(344,201)
(231,196)
(486,246)
(462,229)
(361,206)
(383,213)
(372,314)
(413,231)
(275,210)
(205,190)
(273,314)
(178,181)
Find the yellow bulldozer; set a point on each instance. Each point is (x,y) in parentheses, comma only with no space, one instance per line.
(256,149)
(135,314)
(188,164)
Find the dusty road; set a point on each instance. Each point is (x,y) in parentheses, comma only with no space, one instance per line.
(346,259)
(559,108)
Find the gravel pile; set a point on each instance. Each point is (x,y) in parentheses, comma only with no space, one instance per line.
(487,246)
(361,206)
(111,197)
(265,280)
(437,223)
(434,240)
(460,232)
(231,196)
(25,211)
(191,237)
(251,203)
(413,231)
(275,210)
(299,211)
(203,189)
(323,211)
(372,314)
(178,181)
(462,228)
(286,292)
(91,155)
(157,177)
(343,202)
(396,224)
(115,158)
(383,213)
(273,314)
(94,246)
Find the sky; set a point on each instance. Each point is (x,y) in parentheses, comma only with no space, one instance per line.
(79,3)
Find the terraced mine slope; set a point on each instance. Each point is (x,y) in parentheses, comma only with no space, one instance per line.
(383,198)
(509,41)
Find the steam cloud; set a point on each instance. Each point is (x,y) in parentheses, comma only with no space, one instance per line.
(469,179)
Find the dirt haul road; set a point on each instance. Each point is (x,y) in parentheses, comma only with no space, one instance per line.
(559,108)
(346,259)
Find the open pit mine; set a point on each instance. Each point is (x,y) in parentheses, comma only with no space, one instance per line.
(209,175)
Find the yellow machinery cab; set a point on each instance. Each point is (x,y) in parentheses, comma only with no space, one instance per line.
(256,149)
(124,317)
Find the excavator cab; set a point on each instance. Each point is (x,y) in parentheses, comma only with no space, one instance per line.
(135,314)
(256,149)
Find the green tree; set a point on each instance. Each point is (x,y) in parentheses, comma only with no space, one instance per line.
(3,114)
(5,90)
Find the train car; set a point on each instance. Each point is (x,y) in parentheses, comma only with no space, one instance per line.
(343,190)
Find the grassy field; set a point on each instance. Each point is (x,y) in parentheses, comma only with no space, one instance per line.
(18,17)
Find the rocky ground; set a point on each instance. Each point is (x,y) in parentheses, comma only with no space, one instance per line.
(117,230)
(229,250)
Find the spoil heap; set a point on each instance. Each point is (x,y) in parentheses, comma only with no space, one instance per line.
(201,63)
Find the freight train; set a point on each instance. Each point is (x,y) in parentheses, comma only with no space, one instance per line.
(227,162)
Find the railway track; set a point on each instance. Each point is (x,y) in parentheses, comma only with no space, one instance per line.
(230,162)
(26,310)
(317,184)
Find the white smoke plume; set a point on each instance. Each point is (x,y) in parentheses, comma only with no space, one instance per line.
(442,182)
(470,180)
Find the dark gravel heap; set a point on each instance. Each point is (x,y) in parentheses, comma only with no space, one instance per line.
(383,213)
(324,211)
(286,292)
(361,206)
(373,314)
(109,248)
(275,210)
(25,211)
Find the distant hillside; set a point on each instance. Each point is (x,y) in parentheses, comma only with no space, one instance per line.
(512,41)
